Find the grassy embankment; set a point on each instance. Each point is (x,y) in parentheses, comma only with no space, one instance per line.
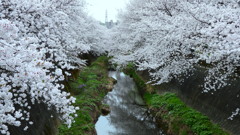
(89,86)
(171,112)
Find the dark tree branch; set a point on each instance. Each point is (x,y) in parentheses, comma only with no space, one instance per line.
(198,18)
(167,10)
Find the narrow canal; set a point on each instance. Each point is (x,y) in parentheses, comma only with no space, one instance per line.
(128,115)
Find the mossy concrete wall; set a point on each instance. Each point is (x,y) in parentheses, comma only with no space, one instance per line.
(217,106)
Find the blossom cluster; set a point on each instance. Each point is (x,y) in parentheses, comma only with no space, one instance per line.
(40,40)
(169,38)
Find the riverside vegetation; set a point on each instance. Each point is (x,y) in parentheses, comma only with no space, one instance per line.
(171,113)
(89,86)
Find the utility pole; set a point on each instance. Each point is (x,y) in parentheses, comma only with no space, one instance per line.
(106,16)
(106,19)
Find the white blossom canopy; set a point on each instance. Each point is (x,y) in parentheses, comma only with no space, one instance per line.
(40,40)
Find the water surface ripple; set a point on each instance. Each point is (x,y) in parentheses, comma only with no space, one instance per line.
(128,115)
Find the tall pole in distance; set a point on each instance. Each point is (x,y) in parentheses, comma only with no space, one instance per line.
(106,16)
(106,19)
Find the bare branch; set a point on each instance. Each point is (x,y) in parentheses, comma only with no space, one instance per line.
(167,10)
(197,18)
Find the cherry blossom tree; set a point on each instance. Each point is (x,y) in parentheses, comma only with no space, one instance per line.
(169,38)
(40,41)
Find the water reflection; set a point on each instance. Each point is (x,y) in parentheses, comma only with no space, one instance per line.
(128,115)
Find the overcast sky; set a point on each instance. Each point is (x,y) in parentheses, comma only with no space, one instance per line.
(97,8)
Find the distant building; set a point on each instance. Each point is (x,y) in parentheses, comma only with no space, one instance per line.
(109,24)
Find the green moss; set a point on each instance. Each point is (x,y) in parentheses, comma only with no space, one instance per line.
(89,90)
(180,118)
(105,106)
(178,115)
(183,132)
(140,83)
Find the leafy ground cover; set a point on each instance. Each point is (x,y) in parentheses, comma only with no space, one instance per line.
(180,118)
(171,112)
(89,88)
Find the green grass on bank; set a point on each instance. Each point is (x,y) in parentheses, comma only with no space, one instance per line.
(173,110)
(179,118)
(89,88)
(140,83)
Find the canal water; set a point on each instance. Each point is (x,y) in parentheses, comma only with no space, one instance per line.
(128,114)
